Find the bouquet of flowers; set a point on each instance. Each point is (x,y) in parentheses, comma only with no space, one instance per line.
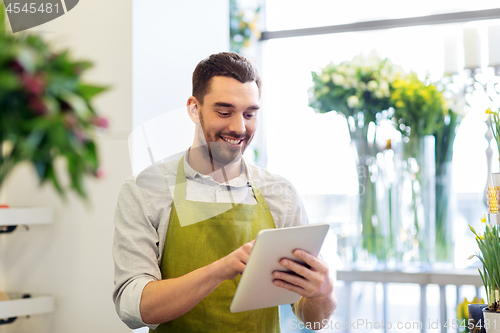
(368,90)
(46,111)
(360,85)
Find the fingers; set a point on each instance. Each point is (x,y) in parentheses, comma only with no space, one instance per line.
(313,281)
(315,263)
(297,268)
(291,287)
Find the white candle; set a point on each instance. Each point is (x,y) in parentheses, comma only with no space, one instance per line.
(451,55)
(472,48)
(494,45)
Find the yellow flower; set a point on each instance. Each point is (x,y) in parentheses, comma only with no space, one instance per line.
(463,309)
(477,301)
(491,112)
(483,219)
(400,104)
(480,237)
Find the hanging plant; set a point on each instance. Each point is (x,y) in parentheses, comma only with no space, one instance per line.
(46,111)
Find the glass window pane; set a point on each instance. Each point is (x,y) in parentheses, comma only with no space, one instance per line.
(312,150)
(295,14)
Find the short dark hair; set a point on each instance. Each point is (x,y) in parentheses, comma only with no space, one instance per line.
(228,64)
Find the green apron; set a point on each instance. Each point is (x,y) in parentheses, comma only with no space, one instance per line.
(196,245)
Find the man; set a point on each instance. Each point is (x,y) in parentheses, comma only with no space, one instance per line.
(176,271)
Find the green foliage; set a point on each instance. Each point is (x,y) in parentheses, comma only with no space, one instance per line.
(46,111)
(495,125)
(489,255)
(242,26)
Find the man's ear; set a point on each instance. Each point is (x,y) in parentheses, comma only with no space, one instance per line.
(192,109)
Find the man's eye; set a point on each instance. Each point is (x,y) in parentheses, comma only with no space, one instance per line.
(224,113)
(249,115)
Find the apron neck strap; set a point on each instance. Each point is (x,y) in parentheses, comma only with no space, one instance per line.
(180,184)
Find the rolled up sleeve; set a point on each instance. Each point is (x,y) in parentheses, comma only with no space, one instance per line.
(135,252)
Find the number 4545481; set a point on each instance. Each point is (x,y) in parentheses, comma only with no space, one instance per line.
(32,8)
(470,324)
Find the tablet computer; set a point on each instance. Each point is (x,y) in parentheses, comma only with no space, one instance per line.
(256,289)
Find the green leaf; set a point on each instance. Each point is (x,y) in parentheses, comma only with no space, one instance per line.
(52,176)
(88,91)
(78,104)
(41,169)
(2,18)
(9,81)
(80,66)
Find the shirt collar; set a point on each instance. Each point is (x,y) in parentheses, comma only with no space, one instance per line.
(241,181)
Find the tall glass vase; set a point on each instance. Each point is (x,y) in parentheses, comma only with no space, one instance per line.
(444,213)
(415,220)
(374,203)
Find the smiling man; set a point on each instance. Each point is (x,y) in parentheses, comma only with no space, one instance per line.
(174,274)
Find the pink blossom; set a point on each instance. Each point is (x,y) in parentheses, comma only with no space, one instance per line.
(101,173)
(80,135)
(100,122)
(33,84)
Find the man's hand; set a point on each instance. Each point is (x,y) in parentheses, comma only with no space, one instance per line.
(234,263)
(189,289)
(314,285)
(313,282)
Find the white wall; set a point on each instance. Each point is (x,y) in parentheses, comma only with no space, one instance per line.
(170,38)
(71,259)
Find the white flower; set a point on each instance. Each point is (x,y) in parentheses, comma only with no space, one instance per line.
(338,79)
(350,71)
(457,104)
(379,94)
(324,78)
(352,101)
(384,88)
(372,85)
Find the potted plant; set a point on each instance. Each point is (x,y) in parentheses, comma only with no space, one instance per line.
(46,111)
(489,255)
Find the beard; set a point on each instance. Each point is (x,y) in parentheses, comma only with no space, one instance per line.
(217,151)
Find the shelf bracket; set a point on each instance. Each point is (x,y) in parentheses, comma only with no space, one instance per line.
(6,230)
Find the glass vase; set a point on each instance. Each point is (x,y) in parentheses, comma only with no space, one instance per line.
(373,232)
(444,213)
(414,218)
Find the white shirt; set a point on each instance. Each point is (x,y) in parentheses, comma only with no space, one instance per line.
(143,212)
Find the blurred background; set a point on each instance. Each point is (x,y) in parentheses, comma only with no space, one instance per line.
(145,52)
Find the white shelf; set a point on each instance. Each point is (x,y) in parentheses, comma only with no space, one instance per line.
(17,307)
(26,215)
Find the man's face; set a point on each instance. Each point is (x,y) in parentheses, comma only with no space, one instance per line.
(228,117)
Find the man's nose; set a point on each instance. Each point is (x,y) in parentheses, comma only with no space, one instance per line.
(237,124)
